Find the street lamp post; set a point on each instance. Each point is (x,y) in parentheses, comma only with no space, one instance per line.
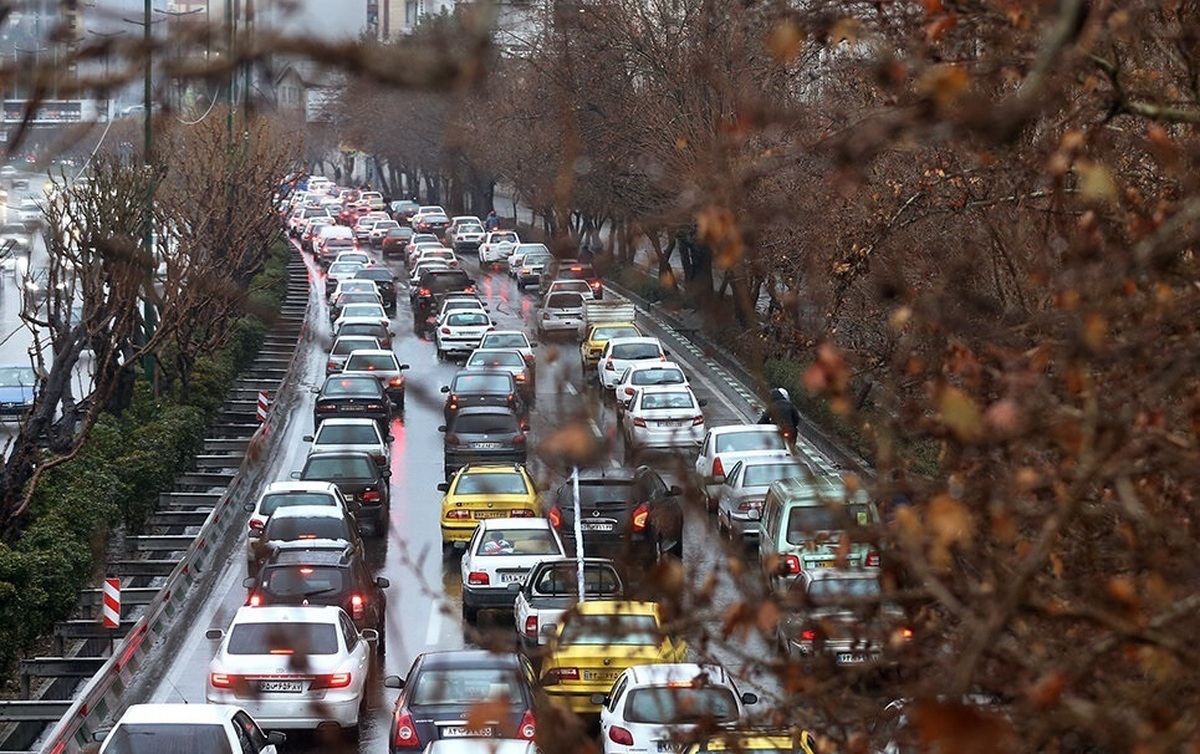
(107,35)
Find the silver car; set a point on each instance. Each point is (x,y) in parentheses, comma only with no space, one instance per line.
(562,312)
(343,346)
(353,434)
(743,491)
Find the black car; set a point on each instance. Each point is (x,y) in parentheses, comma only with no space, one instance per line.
(403,211)
(435,285)
(483,434)
(395,241)
(444,689)
(378,331)
(384,281)
(433,223)
(309,523)
(300,573)
(627,513)
(483,388)
(361,481)
(573,269)
(352,397)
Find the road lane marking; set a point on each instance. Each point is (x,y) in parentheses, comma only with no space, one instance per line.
(433,633)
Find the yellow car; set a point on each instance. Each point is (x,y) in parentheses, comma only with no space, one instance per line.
(593,344)
(597,640)
(488,491)
(766,742)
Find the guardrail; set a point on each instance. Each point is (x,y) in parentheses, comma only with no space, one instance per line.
(101,696)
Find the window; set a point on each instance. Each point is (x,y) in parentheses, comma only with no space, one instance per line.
(482,383)
(275,501)
(280,529)
(657,377)
(347,434)
(740,442)
(253,733)
(634,351)
(340,467)
(465,686)
(760,475)
(614,696)
(485,424)
(491,483)
(805,520)
(305,581)
(278,639)
(168,738)
(681,704)
(617,630)
(349,632)
(667,400)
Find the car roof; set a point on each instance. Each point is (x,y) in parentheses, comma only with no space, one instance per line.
(286,614)
(354,376)
(632,339)
(493,468)
(616,607)
(726,429)
(469,658)
(169,714)
(310,511)
(481,373)
(617,474)
(302,486)
(498,349)
(484,410)
(652,389)
(373,352)
(339,453)
(659,673)
(530,523)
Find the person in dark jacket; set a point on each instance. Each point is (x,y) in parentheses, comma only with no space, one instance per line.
(782,413)
(492,222)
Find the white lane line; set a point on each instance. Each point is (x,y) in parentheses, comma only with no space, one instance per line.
(433,633)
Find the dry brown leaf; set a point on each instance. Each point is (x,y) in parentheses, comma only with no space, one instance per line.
(785,40)
(949,524)
(960,414)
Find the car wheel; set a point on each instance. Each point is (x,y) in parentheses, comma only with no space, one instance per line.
(667,548)
(381,645)
(470,614)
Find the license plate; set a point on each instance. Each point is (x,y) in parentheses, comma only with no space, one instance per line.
(485,445)
(852,658)
(489,514)
(669,746)
(670,424)
(288,687)
(601,675)
(461,731)
(506,578)
(596,525)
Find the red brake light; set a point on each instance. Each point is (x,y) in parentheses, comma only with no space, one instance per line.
(641,515)
(331,681)
(396,381)
(531,626)
(255,600)
(423,292)
(808,634)
(478,578)
(620,736)
(445,331)
(519,439)
(520,513)
(520,377)
(595,284)
(527,727)
(372,496)
(221,680)
(458,514)
(609,366)
(469,289)
(555,517)
(452,440)
(751,505)
(698,420)
(628,391)
(791,564)
(639,421)
(562,674)
(405,733)
(257,526)
(906,633)
(872,559)
(331,365)
(358,607)
(512,401)
(718,467)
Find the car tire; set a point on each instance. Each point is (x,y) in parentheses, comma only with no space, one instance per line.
(673,550)
(470,614)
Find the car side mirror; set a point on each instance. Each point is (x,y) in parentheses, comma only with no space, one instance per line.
(214,633)
(385,472)
(248,507)
(674,490)
(314,390)
(276,738)
(443,487)
(295,475)
(534,344)
(393,682)
(382,582)
(514,586)
(308,438)
(248,582)
(445,388)
(441,428)
(703,402)
(754,514)
(749,698)
(599,699)
(369,634)
(404,366)
(388,437)
(101,734)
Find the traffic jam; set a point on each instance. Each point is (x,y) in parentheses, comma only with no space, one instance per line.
(556,561)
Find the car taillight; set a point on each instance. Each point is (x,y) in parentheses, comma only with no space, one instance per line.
(372,496)
(519,439)
(458,514)
(609,366)
(452,440)
(255,600)
(478,578)
(520,513)
(221,680)
(555,517)
(628,391)
(332,365)
(595,285)
(398,381)
(374,407)
(621,736)
(527,727)
(639,421)
(718,467)
(469,289)
(445,331)
(358,606)
(791,564)
(808,634)
(904,633)
(423,292)
(872,559)
(531,626)
(520,377)
(557,675)
(326,408)
(750,505)
(452,404)
(405,732)
(330,681)
(257,526)
(641,515)
(512,400)
(697,420)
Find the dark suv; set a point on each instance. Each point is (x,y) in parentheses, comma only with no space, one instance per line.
(435,285)
(300,573)
(364,485)
(490,387)
(573,269)
(483,434)
(626,514)
(384,281)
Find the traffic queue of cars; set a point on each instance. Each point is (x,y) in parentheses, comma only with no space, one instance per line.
(299,653)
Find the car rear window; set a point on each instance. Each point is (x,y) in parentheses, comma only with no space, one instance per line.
(563,580)
(343,346)
(363,310)
(485,424)
(667,400)
(483,383)
(447,280)
(347,434)
(363,328)
(831,590)
(168,738)
(741,442)
(564,301)
(504,238)
(657,377)
(338,242)
(487,483)
(517,542)
(634,351)
(686,704)
(349,466)
(762,474)
(349,386)
(290,529)
(468,318)
(804,521)
(602,334)
(621,630)
(459,686)
(371,363)
(276,500)
(305,581)
(298,639)
(496,359)
(504,340)
(609,491)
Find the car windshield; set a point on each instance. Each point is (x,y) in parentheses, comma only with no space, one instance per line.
(292,528)
(634,351)
(667,400)
(492,483)
(504,340)
(349,386)
(305,580)
(468,319)
(347,434)
(283,639)
(831,590)
(168,738)
(485,424)
(804,521)
(681,704)
(564,301)
(17,376)
(517,542)
(482,383)
(344,346)
(350,466)
(496,359)
(657,377)
(762,474)
(461,686)
(273,501)
(619,630)
(757,439)
(563,580)
(371,362)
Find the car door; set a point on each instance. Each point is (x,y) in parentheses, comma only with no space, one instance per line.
(359,651)
(615,698)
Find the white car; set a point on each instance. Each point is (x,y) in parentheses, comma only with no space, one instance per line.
(664,416)
(338,272)
(508,360)
(383,365)
(746,484)
(562,312)
(279,495)
(459,302)
(360,312)
(343,346)
(652,707)
(497,245)
(725,446)
(352,434)
(211,728)
(440,252)
(415,249)
(552,587)
(514,339)
(361,257)
(500,553)
(379,230)
(571,286)
(621,353)
(292,667)
(468,236)
(520,251)
(459,331)
(641,375)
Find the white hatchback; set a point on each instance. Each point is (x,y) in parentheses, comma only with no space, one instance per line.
(500,553)
(621,353)
(643,374)
(664,416)
(460,331)
(292,667)
(653,708)
(211,728)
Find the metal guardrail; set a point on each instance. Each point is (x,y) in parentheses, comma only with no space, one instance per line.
(80,718)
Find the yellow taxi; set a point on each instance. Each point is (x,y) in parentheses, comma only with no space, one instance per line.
(760,741)
(485,491)
(597,640)
(598,336)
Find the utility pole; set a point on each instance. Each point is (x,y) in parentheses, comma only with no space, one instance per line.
(149,314)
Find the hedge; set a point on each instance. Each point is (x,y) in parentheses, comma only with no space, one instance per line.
(116,478)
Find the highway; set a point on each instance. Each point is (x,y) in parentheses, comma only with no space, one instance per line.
(424,597)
